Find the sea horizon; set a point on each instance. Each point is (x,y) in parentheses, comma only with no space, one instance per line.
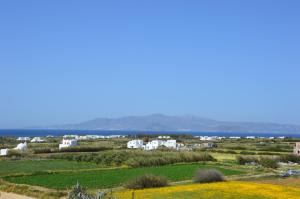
(61,132)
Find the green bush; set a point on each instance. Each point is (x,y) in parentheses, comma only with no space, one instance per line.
(269,162)
(237,148)
(267,153)
(84,149)
(16,153)
(247,153)
(246,159)
(289,158)
(277,148)
(208,175)
(137,158)
(147,181)
(41,150)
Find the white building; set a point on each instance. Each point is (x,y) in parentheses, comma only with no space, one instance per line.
(3,152)
(210,138)
(154,144)
(70,136)
(234,137)
(163,137)
(208,145)
(21,146)
(170,144)
(68,143)
(50,136)
(23,138)
(135,144)
(37,139)
(250,137)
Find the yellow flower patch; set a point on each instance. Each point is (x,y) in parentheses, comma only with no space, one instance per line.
(221,190)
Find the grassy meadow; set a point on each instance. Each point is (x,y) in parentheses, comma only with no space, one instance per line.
(106,178)
(34,166)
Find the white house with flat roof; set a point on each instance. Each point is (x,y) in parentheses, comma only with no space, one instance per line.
(23,138)
(37,139)
(135,144)
(67,143)
(154,144)
(170,144)
(3,152)
(163,137)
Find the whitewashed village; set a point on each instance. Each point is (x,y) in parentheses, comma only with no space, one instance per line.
(162,141)
(113,153)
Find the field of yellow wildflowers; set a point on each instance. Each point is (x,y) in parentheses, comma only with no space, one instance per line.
(222,190)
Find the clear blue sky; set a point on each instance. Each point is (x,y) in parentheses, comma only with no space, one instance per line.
(69,61)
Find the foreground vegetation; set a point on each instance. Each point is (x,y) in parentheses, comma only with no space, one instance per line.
(137,158)
(107,178)
(45,172)
(13,167)
(220,190)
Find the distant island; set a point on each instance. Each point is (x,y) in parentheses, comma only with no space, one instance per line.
(160,122)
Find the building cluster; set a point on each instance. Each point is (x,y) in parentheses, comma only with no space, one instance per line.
(209,138)
(20,147)
(37,140)
(216,138)
(93,137)
(164,137)
(23,139)
(152,145)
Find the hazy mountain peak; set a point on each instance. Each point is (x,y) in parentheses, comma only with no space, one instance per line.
(161,122)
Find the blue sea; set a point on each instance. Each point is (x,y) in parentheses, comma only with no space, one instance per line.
(46,132)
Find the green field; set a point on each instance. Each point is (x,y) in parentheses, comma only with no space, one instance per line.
(32,166)
(113,177)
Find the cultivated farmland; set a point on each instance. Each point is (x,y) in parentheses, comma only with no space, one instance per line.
(106,178)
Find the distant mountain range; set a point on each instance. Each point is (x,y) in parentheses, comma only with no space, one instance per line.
(159,122)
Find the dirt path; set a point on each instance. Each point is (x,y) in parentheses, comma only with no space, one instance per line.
(4,195)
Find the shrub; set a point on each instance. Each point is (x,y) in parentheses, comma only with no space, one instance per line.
(41,150)
(237,148)
(231,152)
(245,159)
(208,175)
(16,153)
(267,153)
(247,153)
(269,162)
(277,148)
(290,158)
(137,158)
(84,149)
(147,181)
